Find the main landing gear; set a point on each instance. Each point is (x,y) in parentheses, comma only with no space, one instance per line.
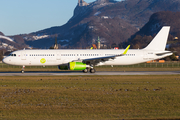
(23,67)
(92,70)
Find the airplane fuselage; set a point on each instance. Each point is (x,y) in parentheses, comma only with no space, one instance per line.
(58,57)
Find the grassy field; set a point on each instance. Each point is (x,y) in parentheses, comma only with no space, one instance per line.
(168,66)
(90,97)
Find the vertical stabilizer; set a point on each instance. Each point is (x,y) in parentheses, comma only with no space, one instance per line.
(160,40)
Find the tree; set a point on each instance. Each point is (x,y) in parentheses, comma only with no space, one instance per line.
(114,45)
(1,55)
(173,57)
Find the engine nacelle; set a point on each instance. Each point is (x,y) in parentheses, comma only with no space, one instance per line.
(73,66)
(77,66)
(63,67)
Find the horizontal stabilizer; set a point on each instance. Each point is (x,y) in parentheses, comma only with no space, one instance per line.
(164,53)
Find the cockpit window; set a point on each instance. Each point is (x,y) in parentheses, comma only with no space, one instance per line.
(12,55)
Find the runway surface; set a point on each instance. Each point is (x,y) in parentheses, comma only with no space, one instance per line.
(62,73)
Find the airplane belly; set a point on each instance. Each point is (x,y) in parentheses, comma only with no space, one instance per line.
(124,61)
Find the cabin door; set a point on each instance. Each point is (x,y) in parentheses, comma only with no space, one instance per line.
(145,57)
(58,55)
(23,55)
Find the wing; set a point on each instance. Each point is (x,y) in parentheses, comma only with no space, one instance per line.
(95,61)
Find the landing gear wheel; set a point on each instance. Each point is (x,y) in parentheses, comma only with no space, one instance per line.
(23,67)
(92,70)
(85,71)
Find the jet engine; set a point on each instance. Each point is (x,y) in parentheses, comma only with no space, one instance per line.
(73,66)
(63,67)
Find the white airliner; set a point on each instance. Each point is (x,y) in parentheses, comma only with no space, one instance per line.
(85,60)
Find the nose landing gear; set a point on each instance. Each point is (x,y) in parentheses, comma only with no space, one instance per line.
(23,67)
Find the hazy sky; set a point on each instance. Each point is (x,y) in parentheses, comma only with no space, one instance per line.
(26,16)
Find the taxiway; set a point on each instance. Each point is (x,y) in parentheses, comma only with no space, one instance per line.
(62,73)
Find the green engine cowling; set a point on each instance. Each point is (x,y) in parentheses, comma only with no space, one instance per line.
(73,66)
(77,66)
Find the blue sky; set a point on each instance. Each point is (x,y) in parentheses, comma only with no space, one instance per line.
(26,16)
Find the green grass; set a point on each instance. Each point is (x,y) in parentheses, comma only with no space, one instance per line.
(90,97)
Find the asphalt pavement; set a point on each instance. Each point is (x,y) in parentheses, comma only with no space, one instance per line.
(63,73)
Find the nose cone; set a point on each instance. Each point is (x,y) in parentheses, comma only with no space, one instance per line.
(4,60)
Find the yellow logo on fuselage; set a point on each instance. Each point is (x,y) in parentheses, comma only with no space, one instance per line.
(43,60)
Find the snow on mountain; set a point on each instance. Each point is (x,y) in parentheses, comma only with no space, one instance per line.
(7,38)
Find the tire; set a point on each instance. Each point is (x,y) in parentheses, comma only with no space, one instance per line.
(85,71)
(92,70)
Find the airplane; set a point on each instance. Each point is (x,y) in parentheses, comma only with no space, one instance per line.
(85,60)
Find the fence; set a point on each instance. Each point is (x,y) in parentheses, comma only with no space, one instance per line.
(174,64)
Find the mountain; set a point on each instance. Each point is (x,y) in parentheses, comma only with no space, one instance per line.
(160,19)
(13,42)
(155,23)
(114,22)
(137,12)
(1,33)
